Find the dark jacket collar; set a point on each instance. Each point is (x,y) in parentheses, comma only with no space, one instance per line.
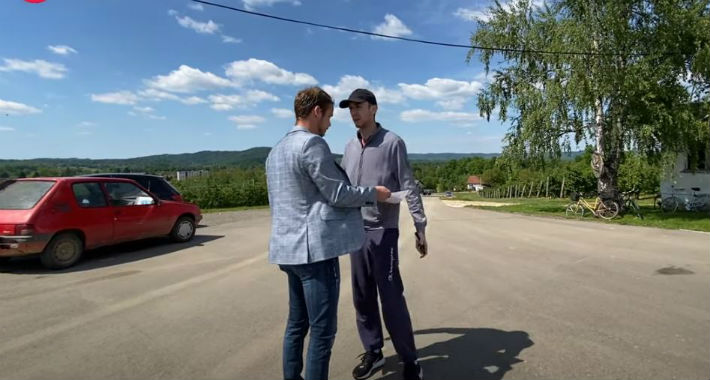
(374,136)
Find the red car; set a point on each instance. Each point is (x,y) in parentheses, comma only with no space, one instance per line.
(60,218)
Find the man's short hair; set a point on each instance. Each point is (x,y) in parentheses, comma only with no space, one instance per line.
(307,99)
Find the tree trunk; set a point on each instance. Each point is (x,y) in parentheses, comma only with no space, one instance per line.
(609,149)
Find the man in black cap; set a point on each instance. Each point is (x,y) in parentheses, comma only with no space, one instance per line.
(377,156)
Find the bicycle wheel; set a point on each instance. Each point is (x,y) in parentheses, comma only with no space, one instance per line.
(607,209)
(670,204)
(573,209)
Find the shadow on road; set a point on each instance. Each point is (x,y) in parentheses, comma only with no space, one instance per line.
(108,256)
(474,353)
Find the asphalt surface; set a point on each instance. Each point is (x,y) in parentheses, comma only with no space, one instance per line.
(499,296)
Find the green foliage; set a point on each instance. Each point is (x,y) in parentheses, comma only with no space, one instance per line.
(636,171)
(226,188)
(648,76)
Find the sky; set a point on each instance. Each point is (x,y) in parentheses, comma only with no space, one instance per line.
(130,78)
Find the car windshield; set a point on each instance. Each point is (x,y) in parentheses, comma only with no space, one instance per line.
(22,195)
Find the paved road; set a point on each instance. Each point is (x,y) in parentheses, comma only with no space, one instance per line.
(500,295)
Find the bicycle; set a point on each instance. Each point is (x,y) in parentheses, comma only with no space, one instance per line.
(673,202)
(605,209)
(629,203)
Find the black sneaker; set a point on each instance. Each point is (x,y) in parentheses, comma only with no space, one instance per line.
(369,363)
(413,371)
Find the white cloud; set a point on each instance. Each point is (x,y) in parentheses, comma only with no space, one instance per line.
(6,129)
(345,86)
(484,14)
(253,4)
(86,124)
(258,96)
(196,6)
(120,97)
(451,94)
(192,100)
(283,113)
(221,106)
(40,67)
(157,95)
(246,126)
(146,112)
(61,49)
(348,83)
(209,27)
(472,14)
(222,102)
(247,119)
(391,27)
(13,108)
(436,88)
(257,69)
(187,79)
(420,116)
(144,109)
(230,40)
(154,95)
(452,104)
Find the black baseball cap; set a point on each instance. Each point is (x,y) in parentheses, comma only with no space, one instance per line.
(358,96)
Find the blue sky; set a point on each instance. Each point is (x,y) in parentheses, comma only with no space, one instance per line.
(128,78)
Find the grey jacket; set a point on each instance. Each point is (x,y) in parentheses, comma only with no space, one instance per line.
(315,212)
(383,161)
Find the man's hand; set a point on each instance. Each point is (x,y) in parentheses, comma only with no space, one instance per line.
(421,244)
(382,193)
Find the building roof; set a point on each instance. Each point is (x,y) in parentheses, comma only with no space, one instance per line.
(474,180)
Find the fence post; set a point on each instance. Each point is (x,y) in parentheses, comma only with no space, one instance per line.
(562,190)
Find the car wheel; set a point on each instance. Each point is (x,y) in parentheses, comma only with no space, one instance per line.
(63,251)
(183,230)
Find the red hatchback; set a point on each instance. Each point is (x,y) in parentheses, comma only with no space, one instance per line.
(60,218)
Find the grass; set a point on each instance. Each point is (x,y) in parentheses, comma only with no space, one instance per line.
(653,217)
(214,210)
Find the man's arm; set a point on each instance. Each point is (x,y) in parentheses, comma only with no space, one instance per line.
(407,182)
(319,163)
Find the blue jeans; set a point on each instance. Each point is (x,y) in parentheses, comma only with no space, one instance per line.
(313,303)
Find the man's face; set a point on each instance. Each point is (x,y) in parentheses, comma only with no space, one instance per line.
(324,119)
(362,113)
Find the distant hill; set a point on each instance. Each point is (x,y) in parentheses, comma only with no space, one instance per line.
(245,158)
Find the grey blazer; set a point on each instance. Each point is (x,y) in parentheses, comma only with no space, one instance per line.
(315,212)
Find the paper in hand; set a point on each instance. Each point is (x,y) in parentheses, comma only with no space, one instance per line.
(397,196)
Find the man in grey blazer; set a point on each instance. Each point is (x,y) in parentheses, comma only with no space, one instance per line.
(315,217)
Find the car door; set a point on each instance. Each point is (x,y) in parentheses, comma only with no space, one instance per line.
(94,216)
(135,212)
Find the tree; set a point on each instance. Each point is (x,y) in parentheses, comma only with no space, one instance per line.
(647,61)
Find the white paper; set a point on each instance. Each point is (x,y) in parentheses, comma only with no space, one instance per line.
(397,196)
